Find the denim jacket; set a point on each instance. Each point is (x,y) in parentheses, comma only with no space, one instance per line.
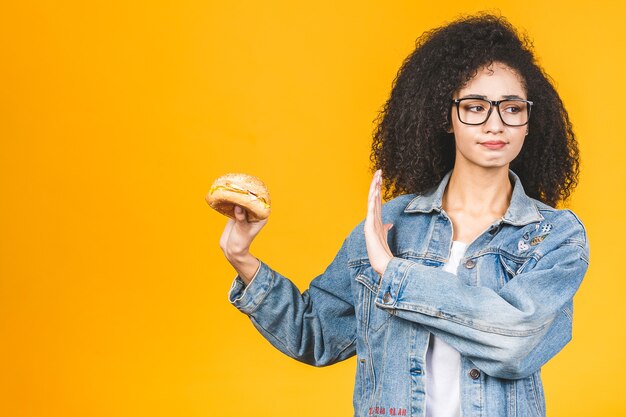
(508,311)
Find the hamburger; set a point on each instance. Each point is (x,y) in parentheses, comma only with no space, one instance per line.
(246,191)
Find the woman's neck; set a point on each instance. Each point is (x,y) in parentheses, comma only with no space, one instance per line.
(478,191)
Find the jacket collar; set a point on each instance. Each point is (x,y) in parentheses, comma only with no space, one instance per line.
(522,209)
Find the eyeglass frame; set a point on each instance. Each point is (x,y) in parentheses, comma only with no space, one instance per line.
(492,104)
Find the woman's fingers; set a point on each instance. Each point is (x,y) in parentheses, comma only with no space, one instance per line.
(240,214)
(374,201)
(372,198)
(239,233)
(379,200)
(375,232)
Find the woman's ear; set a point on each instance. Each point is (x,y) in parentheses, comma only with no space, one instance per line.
(448,126)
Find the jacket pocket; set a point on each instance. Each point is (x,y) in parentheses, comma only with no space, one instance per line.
(372,317)
(511,266)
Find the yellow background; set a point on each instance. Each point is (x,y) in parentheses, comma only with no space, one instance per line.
(115,117)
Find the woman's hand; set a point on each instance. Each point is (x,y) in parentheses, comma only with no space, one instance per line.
(235,243)
(375,231)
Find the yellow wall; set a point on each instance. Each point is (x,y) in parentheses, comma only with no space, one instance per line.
(116,116)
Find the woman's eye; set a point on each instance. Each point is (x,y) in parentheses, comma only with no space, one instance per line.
(512,109)
(476,108)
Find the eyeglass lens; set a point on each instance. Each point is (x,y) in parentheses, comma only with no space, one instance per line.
(476,111)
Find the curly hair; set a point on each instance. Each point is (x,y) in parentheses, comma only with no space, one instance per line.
(412,144)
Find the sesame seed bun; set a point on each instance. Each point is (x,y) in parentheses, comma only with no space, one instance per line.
(243,190)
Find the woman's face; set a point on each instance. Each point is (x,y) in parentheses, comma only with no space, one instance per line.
(492,144)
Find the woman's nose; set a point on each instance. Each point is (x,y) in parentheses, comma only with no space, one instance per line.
(494,122)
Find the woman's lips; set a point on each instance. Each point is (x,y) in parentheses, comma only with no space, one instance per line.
(493,144)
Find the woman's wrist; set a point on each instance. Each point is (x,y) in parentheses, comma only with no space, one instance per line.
(246,266)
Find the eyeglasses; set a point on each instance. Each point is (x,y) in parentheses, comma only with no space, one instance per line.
(476,111)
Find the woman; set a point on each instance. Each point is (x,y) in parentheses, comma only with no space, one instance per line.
(456,292)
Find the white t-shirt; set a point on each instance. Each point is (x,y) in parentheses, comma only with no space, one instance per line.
(443,362)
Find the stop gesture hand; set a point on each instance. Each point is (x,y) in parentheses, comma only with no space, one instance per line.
(375,231)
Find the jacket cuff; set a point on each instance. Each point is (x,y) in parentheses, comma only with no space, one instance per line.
(391,282)
(248,298)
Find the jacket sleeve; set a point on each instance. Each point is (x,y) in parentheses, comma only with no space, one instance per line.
(508,333)
(317,327)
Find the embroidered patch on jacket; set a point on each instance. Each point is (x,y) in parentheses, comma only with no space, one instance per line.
(537,239)
(522,246)
(546,228)
(383,411)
